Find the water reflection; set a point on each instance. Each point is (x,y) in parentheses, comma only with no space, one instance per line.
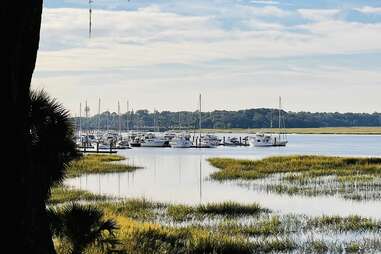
(182,176)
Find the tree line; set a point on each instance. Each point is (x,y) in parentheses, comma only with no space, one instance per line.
(221,119)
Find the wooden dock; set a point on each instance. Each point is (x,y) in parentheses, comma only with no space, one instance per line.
(99,151)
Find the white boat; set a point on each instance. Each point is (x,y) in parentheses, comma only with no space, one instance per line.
(267,140)
(154,142)
(181,142)
(122,144)
(206,143)
(231,141)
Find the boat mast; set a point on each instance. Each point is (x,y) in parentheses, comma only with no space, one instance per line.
(80,120)
(179,120)
(280,115)
(200,115)
(119,122)
(127,116)
(99,115)
(90,16)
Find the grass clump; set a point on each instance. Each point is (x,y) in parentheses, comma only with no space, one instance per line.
(62,194)
(351,223)
(139,209)
(352,178)
(97,164)
(230,209)
(225,209)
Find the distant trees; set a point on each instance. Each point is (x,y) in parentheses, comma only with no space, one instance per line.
(250,118)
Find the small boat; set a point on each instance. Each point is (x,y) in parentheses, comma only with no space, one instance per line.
(181,142)
(123,144)
(231,141)
(267,140)
(154,142)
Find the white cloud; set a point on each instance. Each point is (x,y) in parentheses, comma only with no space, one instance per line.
(265,2)
(319,14)
(369,10)
(129,49)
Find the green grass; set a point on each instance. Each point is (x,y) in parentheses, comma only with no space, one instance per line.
(227,209)
(351,223)
(352,178)
(62,194)
(144,228)
(140,209)
(97,164)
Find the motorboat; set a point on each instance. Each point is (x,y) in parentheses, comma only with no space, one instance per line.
(122,144)
(154,142)
(150,140)
(266,140)
(232,141)
(181,142)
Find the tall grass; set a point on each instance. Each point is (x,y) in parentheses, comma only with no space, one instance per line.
(226,209)
(352,178)
(62,194)
(98,164)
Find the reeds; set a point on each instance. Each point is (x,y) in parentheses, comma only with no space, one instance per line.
(352,178)
(98,164)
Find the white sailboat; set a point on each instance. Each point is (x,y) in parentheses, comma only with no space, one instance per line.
(268,140)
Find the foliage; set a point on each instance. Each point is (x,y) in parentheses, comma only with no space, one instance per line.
(250,118)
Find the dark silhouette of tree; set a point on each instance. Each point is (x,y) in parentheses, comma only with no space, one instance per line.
(20,28)
(52,147)
(79,227)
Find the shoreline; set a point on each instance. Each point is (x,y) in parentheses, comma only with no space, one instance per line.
(306,131)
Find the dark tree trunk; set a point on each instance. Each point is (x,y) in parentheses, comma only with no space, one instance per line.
(20,31)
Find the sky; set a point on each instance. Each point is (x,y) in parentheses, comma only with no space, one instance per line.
(321,55)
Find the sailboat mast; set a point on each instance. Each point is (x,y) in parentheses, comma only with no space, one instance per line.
(280,115)
(200,123)
(127,116)
(90,17)
(99,114)
(80,120)
(119,122)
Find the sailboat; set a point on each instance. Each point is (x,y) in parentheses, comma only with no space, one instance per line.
(267,140)
(207,141)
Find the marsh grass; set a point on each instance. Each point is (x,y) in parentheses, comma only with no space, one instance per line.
(62,194)
(351,178)
(351,223)
(139,209)
(225,209)
(97,164)
(257,231)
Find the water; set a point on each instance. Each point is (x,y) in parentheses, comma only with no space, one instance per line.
(182,176)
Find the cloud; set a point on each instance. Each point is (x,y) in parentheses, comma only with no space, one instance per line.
(148,52)
(369,10)
(265,2)
(319,14)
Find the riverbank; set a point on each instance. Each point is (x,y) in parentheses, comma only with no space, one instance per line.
(329,130)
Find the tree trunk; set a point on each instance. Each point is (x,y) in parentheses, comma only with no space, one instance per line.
(20,28)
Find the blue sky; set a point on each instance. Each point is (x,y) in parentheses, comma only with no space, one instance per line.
(318,55)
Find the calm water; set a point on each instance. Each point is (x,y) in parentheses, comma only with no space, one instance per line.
(182,176)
